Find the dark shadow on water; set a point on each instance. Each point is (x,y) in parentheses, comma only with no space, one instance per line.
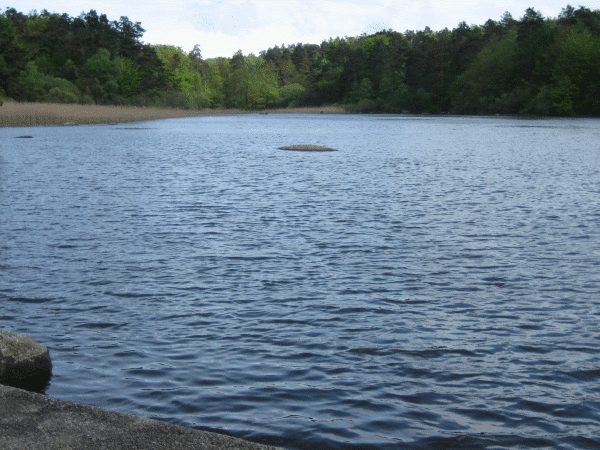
(36,383)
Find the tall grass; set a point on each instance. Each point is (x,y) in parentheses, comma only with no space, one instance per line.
(35,114)
(14,114)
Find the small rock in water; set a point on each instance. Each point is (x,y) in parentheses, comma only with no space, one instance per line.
(24,362)
(308,148)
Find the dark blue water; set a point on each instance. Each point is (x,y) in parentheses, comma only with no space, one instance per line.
(433,284)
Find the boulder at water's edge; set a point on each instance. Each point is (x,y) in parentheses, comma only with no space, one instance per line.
(23,361)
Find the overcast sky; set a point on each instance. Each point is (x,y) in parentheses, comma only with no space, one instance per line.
(223,27)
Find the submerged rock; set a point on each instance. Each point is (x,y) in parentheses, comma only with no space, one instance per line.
(308,148)
(23,362)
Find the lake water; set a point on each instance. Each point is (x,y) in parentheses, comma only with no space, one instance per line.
(435,283)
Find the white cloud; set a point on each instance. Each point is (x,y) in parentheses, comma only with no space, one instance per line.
(232,18)
(222,27)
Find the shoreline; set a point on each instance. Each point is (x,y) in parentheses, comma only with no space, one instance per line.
(37,422)
(32,420)
(13,114)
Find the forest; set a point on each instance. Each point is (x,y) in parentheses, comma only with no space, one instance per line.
(533,65)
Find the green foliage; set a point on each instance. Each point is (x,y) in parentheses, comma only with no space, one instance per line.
(101,76)
(57,95)
(251,83)
(175,99)
(101,68)
(366,105)
(563,94)
(84,50)
(130,79)
(32,82)
(422,101)
(183,74)
(576,73)
(215,73)
(489,76)
(44,88)
(530,65)
(365,89)
(541,104)
(292,94)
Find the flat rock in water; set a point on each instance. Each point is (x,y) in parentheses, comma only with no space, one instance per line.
(308,148)
(22,359)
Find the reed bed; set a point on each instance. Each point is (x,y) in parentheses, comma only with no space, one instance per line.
(14,114)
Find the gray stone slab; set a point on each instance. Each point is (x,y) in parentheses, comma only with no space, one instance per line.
(30,421)
(22,358)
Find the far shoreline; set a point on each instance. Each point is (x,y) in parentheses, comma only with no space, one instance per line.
(14,114)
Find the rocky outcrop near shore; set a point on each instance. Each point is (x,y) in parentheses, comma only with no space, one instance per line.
(308,148)
(23,361)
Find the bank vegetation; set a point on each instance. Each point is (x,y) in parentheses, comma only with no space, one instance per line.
(530,65)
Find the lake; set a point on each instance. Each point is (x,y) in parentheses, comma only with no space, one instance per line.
(434,283)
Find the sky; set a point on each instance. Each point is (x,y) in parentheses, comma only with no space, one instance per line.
(221,28)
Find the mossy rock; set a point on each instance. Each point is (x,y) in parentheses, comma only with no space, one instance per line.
(23,362)
(308,148)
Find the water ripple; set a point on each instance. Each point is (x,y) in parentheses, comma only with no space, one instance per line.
(433,284)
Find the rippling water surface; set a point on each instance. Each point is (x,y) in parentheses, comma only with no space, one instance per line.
(434,283)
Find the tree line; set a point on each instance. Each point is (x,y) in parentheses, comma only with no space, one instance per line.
(531,65)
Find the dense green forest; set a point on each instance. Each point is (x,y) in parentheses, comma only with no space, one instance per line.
(533,65)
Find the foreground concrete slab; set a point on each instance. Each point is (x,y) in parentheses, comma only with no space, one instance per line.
(30,421)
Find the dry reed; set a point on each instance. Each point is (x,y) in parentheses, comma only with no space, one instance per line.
(36,114)
(14,114)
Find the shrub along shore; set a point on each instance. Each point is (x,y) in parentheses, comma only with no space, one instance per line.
(13,114)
